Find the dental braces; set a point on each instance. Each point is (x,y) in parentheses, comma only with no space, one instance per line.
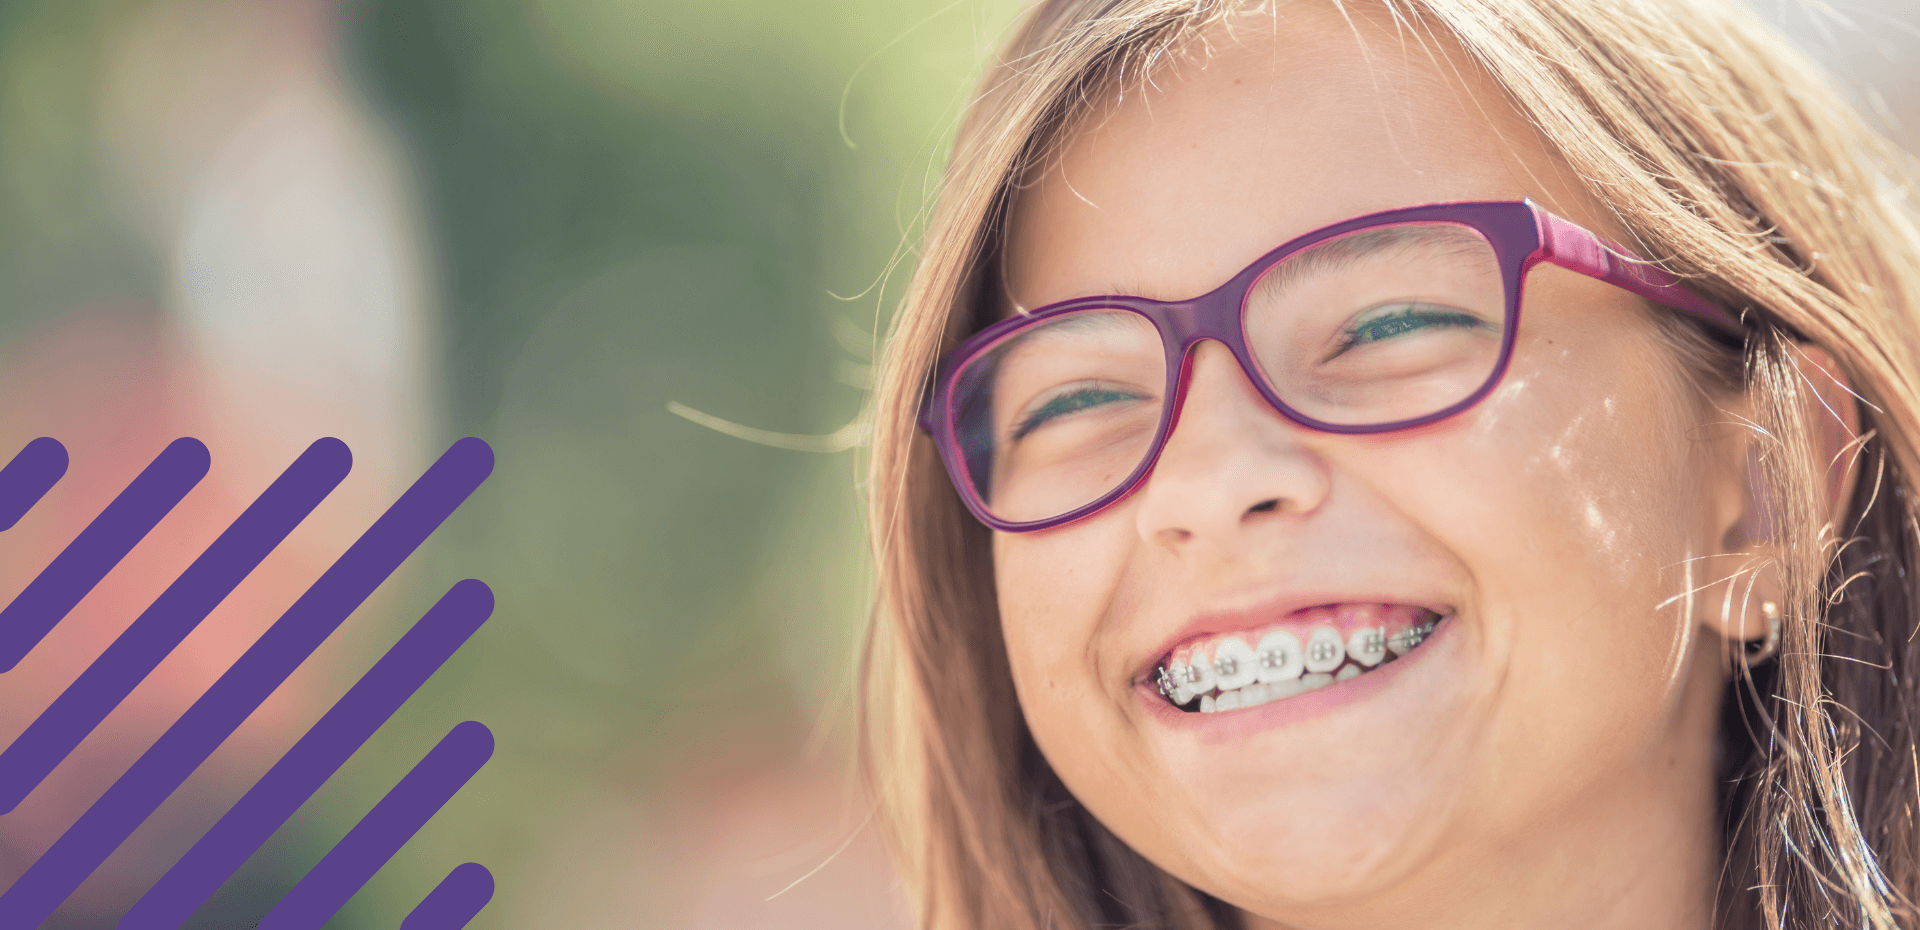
(1226,666)
(1411,636)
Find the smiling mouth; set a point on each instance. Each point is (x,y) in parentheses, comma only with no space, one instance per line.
(1235,671)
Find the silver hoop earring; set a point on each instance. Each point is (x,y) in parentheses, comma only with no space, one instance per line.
(1771,644)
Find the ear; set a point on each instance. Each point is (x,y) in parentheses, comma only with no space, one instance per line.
(1832,413)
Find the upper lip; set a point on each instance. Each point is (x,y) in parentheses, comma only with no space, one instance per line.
(1273,611)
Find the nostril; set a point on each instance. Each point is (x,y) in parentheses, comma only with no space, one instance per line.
(1174,536)
(1265,506)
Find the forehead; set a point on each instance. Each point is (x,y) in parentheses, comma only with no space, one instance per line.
(1276,124)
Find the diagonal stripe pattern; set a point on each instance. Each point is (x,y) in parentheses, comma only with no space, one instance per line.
(381,833)
(28,477)
(220,710)
(174,614)
(99,548)
(454,901)
(312,760)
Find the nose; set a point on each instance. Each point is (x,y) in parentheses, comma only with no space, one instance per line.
(1232,463)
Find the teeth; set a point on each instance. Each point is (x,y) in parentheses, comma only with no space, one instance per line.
(1227,674)
(1325,651)
(1285,689)
(1200,677)
(1403,642)
(1182,690)
(1368,645)
(1234,664)
(1279,657)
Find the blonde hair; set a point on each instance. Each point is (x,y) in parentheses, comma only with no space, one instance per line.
(1729,160)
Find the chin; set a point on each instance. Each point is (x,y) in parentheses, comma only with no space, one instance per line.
(1294,822)
(1308,844)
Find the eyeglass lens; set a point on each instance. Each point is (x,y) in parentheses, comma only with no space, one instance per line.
(1379,326)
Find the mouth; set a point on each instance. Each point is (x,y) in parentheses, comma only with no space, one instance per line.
(1305,651)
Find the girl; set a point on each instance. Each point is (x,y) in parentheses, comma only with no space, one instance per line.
(1429,463)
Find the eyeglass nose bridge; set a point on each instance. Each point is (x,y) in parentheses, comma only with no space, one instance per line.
(1216,316)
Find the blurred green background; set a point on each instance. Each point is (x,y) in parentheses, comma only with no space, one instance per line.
(583,211)
(638,203)
(634,204)
(539,222)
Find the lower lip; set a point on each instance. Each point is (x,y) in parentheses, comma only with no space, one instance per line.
(1233,724)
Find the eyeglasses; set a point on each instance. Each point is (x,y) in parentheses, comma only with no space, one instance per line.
(1379,323)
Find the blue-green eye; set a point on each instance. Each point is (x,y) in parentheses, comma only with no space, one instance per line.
(1072,401)
(1394,320)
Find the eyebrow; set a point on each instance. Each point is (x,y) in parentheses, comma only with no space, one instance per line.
(1112,287)
(1037,338)
(1320,258)
(1090,322)
(1347,251)
(1093,321)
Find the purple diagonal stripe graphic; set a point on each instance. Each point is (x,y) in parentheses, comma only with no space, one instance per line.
(419,795)
(32,473)
(99,548)
(267,663)
(313,760)
(454,901)
(174,614)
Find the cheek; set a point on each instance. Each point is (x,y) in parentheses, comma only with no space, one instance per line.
(1062,595)
(1588,455)
(1056,589)
(1573,501)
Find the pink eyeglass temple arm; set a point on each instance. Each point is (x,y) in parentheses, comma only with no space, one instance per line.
(1572,247)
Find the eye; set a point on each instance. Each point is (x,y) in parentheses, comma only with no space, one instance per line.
(1392,321)
(1070,401)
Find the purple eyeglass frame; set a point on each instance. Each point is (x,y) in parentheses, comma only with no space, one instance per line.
(1521,233)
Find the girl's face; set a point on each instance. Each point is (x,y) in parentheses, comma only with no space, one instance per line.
(1545,757)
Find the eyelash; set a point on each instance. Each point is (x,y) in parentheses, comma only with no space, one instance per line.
(1069,402)
(1408,313)
(1407,318)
